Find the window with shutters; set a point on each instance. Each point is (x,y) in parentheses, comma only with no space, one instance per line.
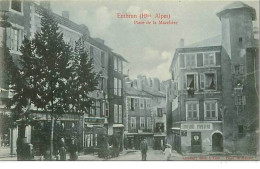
(210,81)
(209,59)
(190,60)
(14,38)
(133,122)
(210,110)
(149,123)
(192,111)
(190,81)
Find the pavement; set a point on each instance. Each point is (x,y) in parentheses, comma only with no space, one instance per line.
(152,155)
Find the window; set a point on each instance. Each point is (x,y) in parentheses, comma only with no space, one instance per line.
(132,105)
(159,112)
(115,113)
(115,86)
(190,81)
(237,69)
(238,91)
(119,87)
(148,103)
(210,110)
(115,63)
(141,103)
(14,38)
(136,103)
(190,60)
(240,100)
(120,114)
(159,127)
(210,81)
(91,51)
(192,109)
(133,122)
(142,122)
(149,123)
(119,65)
(240,129)
(16,5)
(102,59)
(107,109)
(209,59)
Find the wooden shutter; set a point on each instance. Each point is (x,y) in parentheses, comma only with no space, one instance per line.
(202,81)
(195,81)
(185,82)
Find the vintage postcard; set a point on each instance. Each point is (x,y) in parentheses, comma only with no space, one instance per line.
(142,80)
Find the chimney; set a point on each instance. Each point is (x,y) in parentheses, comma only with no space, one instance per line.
(181,43)
(66,14)
(46,4)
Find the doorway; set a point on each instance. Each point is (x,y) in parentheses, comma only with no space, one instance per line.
(217,142)
(196,142)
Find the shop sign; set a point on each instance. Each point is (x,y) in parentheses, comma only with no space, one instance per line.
(94,120)
(197,126)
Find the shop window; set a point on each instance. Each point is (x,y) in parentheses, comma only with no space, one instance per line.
(192,109)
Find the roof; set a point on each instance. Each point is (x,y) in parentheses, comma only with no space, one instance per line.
(135,92)
(155,93)
(237,5)
(212,41)
(120,56)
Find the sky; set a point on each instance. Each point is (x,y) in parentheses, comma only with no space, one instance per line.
(148,48)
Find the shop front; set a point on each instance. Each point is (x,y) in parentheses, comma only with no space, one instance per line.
(133,140)
(200,137)
(95,133)
(118,132)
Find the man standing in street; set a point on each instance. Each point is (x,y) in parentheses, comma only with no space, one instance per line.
(143,148)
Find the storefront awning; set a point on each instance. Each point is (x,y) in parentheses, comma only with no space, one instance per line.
(91,125)
(144,133)
(118,125)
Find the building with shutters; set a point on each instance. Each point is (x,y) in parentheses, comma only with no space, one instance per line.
(213,98)
(25,19)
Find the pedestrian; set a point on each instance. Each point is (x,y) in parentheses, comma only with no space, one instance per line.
(167,152)
(144,148)
(73,151)
(62,150)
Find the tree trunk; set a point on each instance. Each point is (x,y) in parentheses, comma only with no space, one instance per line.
(52,131)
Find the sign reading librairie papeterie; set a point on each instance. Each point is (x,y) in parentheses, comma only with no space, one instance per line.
(196,126)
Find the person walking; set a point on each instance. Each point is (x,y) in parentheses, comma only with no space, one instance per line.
(73,151)
(144,148)
(167,152)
